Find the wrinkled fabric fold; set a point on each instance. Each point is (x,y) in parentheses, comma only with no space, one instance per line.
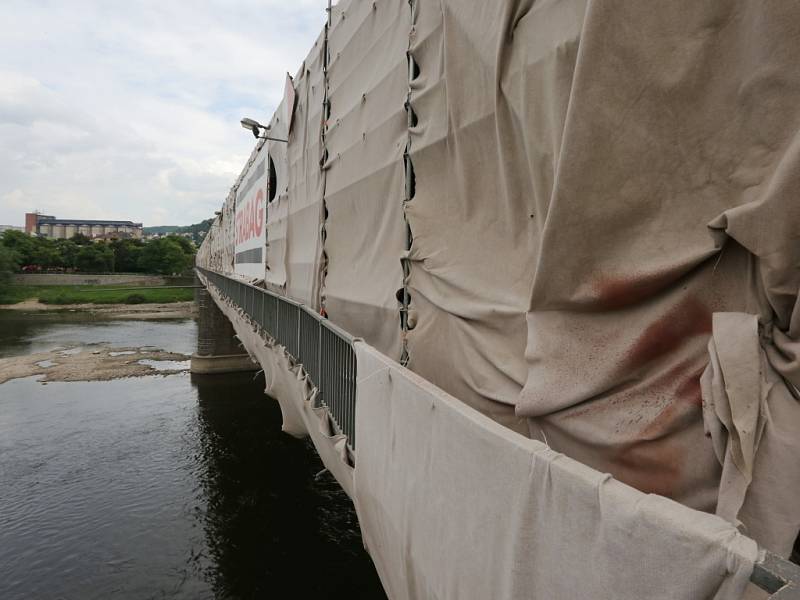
(365,142)
(670,252)
(751,402)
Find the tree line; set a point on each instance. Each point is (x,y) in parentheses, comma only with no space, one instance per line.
(20,252)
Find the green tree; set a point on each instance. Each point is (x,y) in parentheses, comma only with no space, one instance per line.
(95,258)
(68,253)
(127,253)
(185,243)
(81,239)
(9,262)
(23,245)
(165,256)
(45,253)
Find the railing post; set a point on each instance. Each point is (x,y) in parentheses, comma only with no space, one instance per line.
(777,576)
(263,302)
(319,363)
(297,333)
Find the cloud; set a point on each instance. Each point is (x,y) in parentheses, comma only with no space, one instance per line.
(133,113)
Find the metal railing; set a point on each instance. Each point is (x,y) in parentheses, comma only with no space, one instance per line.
(325,351)
(778,576)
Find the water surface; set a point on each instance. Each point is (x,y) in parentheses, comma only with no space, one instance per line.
(162,486)
(27,333)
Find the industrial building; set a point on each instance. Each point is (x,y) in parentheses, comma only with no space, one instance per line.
(52,227)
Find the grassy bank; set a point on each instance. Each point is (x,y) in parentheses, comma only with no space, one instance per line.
(98,294)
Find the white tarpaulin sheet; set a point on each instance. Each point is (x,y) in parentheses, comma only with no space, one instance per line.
(306,182)
(365,180)
(454,506)
(607,173)
(475,213)
(670,251)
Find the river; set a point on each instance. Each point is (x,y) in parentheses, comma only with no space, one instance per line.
(161,486)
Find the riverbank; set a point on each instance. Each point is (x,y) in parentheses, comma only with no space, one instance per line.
(93,294)
(117,279)
(149,311)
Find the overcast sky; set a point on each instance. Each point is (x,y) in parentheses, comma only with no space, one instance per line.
(130,110)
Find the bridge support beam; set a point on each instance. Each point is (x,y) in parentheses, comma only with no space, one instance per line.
(218,350)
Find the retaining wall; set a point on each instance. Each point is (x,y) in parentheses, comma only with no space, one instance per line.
(96,279)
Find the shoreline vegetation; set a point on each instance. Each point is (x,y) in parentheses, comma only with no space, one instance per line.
(20,252)
(67,295)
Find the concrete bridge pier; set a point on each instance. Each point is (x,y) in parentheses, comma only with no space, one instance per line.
(218,351)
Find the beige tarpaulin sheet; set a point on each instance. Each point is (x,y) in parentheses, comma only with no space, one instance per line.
(209,255)
(228,227)
(605,222)
(365,141)
(623,173)
(675,203)
(306,182)
(475,216)
(454,506)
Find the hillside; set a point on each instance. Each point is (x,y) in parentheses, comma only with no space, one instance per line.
(197,230)
(162,229)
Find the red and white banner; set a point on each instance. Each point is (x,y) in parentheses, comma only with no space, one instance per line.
(251,216)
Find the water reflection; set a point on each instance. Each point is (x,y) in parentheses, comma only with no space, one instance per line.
(98,481)
(27,333)
(272,528)
(163,486)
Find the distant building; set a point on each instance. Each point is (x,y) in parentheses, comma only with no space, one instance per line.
(11,228)
(59,229)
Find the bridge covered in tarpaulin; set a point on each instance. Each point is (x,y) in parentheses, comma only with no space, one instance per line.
(576,224)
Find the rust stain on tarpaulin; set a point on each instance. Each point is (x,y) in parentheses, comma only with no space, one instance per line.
(687,319)
(681,386)
(652,409)
(689,389)
(651,466)
(612,293)
(645,454)
(654,462)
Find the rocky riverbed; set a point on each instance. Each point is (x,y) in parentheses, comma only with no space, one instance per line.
(93,362)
